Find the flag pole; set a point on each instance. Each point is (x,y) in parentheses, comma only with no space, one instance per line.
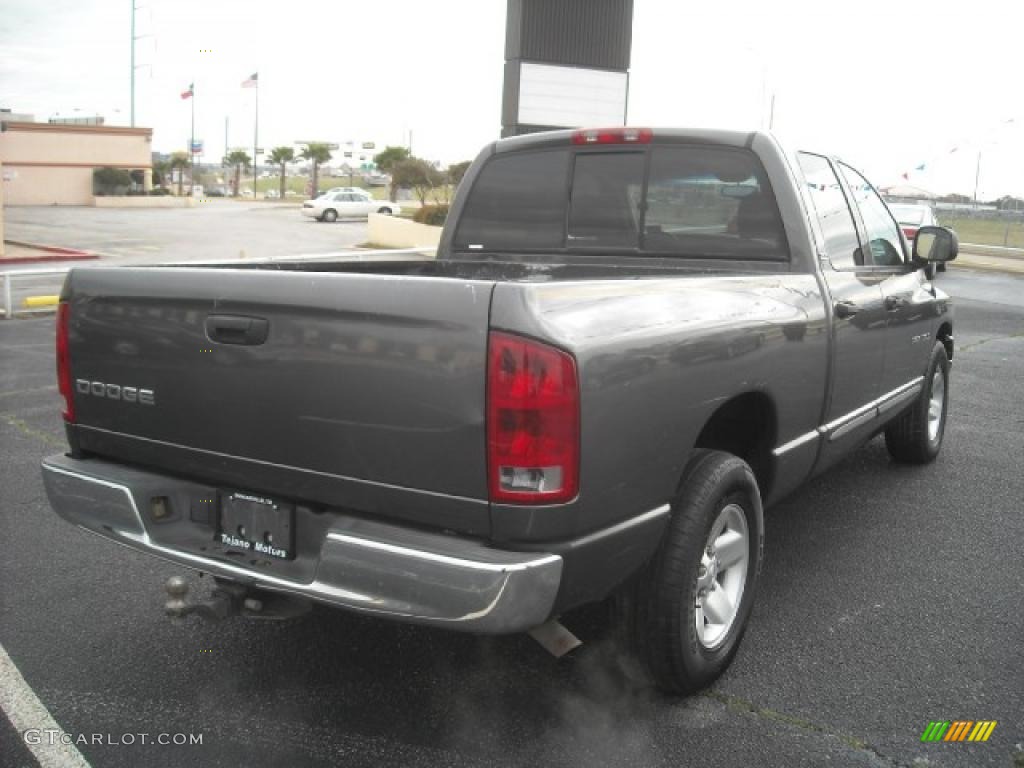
(192,143)
(256,138)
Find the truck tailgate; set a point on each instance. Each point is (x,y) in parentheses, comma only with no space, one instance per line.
(355,390)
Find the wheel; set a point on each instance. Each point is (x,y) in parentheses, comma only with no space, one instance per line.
(385,210)
(329,215)
(687,611)
(916,436)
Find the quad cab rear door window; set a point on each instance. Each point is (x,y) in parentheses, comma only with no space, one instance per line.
(683,201)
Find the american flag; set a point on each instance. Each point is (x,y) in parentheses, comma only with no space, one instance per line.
(252,82)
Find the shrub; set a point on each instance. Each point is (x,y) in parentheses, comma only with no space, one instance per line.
(110,181)
(434,215)
(159,192)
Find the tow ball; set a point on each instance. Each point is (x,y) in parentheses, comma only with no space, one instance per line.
(232,599)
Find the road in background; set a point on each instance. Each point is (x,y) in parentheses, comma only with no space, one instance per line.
(892,596)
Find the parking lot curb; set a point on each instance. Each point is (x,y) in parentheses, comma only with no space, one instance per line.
(52,253)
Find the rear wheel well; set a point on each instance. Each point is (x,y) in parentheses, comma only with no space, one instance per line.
(746,427)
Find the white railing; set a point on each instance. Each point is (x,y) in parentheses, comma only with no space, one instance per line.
(6,294)
(7,278)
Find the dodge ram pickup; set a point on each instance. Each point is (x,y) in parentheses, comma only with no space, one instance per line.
(630,342)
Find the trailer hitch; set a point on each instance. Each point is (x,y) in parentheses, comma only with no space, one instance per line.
(232,599)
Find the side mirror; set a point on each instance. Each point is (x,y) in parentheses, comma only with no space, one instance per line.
(935,244)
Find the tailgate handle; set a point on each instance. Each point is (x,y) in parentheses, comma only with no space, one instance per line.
(237,329)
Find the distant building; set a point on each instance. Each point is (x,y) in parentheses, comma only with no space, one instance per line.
(20,117)
(86,120)
(52,164)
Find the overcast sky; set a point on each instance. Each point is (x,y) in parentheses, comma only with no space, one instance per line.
(889,85)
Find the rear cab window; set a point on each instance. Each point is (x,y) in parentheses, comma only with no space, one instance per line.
(684,201)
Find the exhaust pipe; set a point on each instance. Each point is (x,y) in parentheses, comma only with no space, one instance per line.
(555,638)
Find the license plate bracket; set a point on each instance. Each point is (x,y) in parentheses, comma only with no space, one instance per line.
(253,524)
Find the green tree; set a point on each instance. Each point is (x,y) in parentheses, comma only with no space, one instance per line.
(239,160)
(386,161)
(414,172)
(317,154)
(281,156)
(179,162)
(456,171)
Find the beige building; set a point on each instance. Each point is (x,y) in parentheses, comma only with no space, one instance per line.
(45,164)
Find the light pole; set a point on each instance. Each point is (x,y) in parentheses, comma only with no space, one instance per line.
(133,63)
(977,174)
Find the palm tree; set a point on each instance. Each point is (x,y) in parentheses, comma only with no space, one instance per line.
(317,154)
(240,161)
(282,156)
(161,172)
(179,162)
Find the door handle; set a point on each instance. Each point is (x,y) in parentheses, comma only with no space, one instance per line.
(846,308)
(237,329)
(892,303)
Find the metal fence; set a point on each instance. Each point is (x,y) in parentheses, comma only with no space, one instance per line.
(999,228)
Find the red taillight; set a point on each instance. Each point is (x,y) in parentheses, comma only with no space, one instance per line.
(533,422)
(613,136)
(64,362)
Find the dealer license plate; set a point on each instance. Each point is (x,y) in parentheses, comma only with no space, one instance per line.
(257,525)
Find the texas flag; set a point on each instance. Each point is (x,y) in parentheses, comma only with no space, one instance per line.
(190,92)
(252,82)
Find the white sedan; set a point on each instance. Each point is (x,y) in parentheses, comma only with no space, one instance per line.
(330,206)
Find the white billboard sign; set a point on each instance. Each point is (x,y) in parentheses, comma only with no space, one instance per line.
(571,97)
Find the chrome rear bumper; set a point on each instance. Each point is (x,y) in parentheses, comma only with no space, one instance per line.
(370,567)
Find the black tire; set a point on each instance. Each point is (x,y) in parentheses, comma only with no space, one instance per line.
(662,602)
(329,215)
(385,210)
(914,437)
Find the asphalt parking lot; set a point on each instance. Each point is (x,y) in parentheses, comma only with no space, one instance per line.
(214,230)
(892,596)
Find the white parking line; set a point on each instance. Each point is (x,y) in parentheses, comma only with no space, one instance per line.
(26,712)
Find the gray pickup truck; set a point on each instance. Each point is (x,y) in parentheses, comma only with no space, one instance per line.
(629,343)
